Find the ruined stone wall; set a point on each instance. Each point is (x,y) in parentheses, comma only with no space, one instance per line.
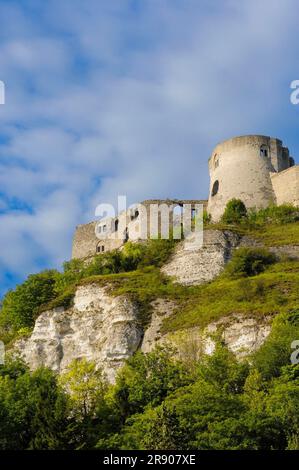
(130,227)
(165,207)
(85,241)
(286,186)
(195,266)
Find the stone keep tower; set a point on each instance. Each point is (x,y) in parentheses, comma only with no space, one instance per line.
(242,167)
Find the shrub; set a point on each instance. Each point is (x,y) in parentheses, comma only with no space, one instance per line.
(73,271)
(235,212)
(249,262)
(276,351)
(250,291)
(130,258)
(206,217)
(286,213)
(132,254)
(156,252)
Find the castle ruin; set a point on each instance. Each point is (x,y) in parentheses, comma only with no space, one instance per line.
(254,168)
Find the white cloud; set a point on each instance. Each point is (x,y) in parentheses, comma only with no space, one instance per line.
(105,100)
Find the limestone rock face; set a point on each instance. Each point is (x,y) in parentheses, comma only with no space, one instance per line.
(291,251)
(104,328)
(245,335)
(242,335)
(195,266)
(99,327)
(162,308)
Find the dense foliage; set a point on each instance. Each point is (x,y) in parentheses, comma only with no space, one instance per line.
(235,212)
(21,306)
(159,402)
(51,288)
(278,215)
(249,262)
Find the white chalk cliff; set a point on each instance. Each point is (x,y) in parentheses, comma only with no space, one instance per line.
(98,326)
(104,328)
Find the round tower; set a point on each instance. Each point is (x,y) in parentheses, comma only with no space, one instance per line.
(240,168)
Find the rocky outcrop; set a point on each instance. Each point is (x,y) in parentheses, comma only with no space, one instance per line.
(192,265)
(290,251)
(98,327)
(105,328)
(242,335)
(162,308)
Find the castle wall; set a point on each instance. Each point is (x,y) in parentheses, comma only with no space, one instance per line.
(168,206)
(254,168)
(85,241)
(133,225)
(242,172)
(286,186)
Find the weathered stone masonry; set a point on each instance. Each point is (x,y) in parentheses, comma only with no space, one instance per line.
(254,168)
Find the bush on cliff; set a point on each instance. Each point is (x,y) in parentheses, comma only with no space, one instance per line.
(235,212)
(249,262)
(283,214)
(20,306)
(133,256)
(49,289)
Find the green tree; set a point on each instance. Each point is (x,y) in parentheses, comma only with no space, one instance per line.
(147,379)
(164,431)
(235,212)
(275,353)
(34,410)
(85,385)
(20,307)
(73,271)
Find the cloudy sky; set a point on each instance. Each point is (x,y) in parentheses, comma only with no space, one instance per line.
(108,97)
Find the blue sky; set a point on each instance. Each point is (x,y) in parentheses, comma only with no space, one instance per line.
(108,97)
